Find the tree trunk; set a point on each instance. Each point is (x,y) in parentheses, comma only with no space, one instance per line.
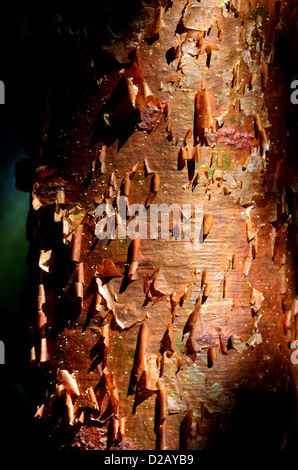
(165,343)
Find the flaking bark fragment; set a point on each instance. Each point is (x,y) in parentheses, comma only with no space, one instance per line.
(256,299)
(68,381)
(107,270)
(151,293)
(211,356)
(185,432)
(207,224)
(141,364)
(204,121)
(134,259)
(150,108)
(167,343)
(161,411)
(77,243)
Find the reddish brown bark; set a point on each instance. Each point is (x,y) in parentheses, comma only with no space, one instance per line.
(172,347)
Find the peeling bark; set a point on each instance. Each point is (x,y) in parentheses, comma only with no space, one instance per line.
(173,347)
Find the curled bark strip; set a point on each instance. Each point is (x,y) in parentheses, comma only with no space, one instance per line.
(174,299)
(167,111)
(222,346)
(134,260)
(258,125)
(211,355)
(92,398)
(141,365)
(79,289)
(154,188)
(203,116)
(126,185)
(41,297)
(161,411)
(70,408)
(264,142)
(224,287)
(204,280)
(77,243)
(197,154)
(185,153)
(44,355)
(207,224)
(288,320)
(254,247)
(208,49)
(183,296)
(206,292)
(147,168)
(155,183)
(68,381)
(187,136)
(264,76)
(193,318)
(80,273)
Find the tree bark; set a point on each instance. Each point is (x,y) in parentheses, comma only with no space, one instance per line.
(165,344)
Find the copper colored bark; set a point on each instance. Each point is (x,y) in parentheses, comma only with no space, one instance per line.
(174,346)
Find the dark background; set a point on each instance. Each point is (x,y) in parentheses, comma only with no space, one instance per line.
(16,73)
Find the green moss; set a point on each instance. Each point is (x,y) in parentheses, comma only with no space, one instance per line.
(226,161)
(210,173)
(179,344)
(137,179)
(214,158)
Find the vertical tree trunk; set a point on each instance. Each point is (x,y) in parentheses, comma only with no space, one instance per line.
(165,344)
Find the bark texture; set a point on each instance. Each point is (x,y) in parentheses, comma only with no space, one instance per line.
(149,344)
